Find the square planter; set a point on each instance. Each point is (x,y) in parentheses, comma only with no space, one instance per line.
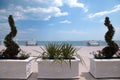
(105,68)
(15,69)
(57,70)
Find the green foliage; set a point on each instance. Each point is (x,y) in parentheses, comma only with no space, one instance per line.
(112,47)
(59,52)
(67,51)
(51,51)
(23,55)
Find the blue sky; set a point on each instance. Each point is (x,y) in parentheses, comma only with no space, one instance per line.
(60,19)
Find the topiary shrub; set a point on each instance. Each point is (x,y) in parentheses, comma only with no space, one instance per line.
(112,47)
(12,49)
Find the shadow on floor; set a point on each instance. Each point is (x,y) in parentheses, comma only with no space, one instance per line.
(88,76)
(33,76)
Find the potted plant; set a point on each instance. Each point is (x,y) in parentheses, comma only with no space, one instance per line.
(13,62)
(58,61)
(106,62)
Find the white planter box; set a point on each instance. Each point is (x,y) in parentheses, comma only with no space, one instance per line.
(15,69)
(105,68)
(57,70)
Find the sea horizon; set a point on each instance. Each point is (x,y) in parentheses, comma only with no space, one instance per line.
(74,43)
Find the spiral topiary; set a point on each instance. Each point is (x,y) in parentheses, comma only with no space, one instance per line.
(12,49)
(112,47)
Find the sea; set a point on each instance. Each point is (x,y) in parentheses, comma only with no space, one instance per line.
(74,43)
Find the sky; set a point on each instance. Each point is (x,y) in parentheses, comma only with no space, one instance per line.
(60,20)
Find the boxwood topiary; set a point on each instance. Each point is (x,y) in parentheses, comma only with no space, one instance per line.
(12,48)
(112,47)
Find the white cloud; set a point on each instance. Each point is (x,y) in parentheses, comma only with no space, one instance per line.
(65,22)
(115,9)
(33,13)
(17,11)
(39,9)
(75,3)
(56,3)
(72,32)
(59,3)
(44,13)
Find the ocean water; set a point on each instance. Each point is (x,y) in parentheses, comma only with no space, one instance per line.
(74,43)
